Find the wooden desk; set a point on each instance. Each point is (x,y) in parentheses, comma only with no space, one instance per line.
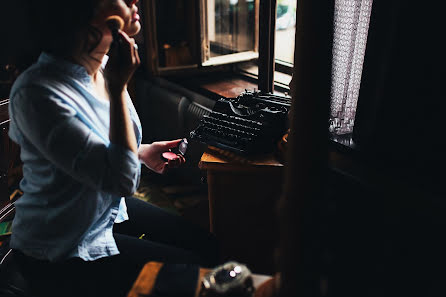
(243,194)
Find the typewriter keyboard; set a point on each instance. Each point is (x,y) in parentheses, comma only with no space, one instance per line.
(252,123)
(224,129)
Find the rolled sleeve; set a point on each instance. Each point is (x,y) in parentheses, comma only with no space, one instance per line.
(126,163)
(55,130)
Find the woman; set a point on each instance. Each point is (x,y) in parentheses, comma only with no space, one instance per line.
(73,232)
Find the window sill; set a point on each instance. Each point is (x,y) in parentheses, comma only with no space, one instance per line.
(233,58)
(217,85)
(281,79)
(344,143)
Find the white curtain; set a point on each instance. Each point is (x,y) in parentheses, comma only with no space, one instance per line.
(351,24)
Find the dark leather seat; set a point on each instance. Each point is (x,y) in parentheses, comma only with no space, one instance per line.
(12,281)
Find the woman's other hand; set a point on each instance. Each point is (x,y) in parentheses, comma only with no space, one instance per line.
(150,155)
(122,63)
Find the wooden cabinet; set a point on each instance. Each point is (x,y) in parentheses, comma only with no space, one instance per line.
(243,194)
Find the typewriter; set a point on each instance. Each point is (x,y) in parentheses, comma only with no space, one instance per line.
(251,123)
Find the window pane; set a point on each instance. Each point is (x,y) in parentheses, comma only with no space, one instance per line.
(175,32)
(231,26)
(285,30)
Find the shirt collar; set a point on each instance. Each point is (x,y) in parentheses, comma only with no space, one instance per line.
(75,71)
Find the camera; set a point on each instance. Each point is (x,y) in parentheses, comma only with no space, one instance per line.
(229,279)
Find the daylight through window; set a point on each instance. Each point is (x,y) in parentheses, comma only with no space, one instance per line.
(351,24)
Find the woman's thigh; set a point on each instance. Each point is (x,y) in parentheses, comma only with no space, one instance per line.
(108,276)
(161,226)
(137,251)
(75,277)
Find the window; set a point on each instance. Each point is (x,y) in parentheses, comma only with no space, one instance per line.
(285,31)
(281,57)
(171,36)
(230,31)
(284,41)
(183,34)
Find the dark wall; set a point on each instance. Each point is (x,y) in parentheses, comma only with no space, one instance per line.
(16,50)
(383,239)
(377,230)
(16,43)
(389,233)
(402,97)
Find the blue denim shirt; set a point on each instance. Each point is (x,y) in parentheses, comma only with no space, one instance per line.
(74,179)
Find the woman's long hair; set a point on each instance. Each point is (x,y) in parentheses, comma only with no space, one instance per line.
(62,27)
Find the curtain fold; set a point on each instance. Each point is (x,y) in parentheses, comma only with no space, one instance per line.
(351,24)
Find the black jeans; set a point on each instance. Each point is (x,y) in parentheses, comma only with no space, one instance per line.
(168,238)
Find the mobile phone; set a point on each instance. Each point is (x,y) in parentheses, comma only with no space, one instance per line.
(173,152)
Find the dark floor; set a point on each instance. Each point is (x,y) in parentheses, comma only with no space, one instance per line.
(177,195)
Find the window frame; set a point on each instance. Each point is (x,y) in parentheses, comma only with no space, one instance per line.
(206,60)
(284,67)
(269,66)
(263,55)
